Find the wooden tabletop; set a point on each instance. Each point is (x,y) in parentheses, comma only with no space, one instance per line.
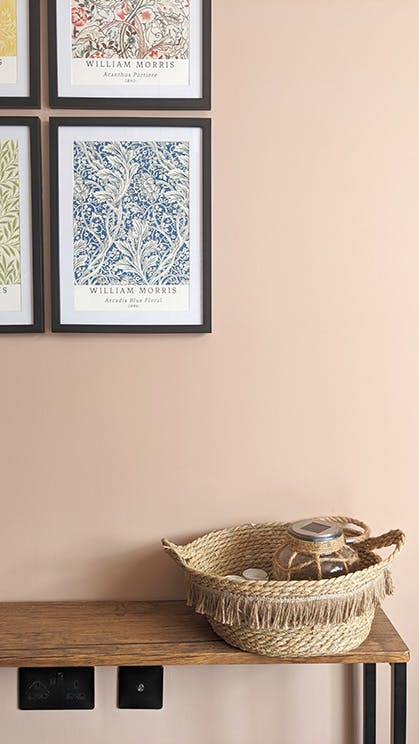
(147,633)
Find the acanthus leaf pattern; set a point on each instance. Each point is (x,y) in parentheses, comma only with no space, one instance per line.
(130,29)
(131,213)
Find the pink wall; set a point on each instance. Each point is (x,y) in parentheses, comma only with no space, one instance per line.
(303,401)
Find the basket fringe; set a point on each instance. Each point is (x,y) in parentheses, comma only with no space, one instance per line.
(275,613)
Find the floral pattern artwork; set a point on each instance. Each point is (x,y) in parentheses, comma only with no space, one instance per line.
(130,29)
(7,28)
(9,213)
(131,213)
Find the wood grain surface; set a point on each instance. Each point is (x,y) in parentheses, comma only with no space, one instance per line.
(147,633)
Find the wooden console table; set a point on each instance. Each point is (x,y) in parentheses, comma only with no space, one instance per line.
(167,633)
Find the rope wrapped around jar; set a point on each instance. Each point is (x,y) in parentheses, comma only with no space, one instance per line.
(313,549)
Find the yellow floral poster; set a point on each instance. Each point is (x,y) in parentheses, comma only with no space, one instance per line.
(8,41)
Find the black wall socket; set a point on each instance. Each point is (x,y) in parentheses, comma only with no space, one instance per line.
(56,688)
(140,687)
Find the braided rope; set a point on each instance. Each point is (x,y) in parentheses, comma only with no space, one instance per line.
(329,639)
(261,615)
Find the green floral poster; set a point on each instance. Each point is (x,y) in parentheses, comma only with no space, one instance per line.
(10,259)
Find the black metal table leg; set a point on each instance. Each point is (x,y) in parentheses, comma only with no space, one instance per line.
(370,703)
(398,703)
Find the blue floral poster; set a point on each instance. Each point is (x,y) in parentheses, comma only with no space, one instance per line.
(131,225)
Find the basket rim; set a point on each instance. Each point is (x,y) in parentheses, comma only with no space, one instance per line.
(181,551)
(275,604)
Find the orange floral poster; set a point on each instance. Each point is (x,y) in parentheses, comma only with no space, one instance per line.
(130,41)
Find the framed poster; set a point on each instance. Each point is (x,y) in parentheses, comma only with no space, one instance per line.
(19,54)
(21,296)
(131,225)
(130,54)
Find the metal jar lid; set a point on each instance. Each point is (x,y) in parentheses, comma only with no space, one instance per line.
(315,530)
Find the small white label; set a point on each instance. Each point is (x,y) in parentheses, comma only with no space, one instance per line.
(145,298)
(8,70)
(130,71)
(10,298)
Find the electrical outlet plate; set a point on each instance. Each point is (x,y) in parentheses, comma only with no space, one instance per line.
(56,688)
(140,687)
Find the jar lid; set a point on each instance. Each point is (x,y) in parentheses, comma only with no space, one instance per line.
(315,530)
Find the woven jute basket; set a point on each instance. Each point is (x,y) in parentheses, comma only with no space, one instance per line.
(284,618)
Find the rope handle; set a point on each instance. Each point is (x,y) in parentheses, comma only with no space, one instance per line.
(393,537)
(363,541)
(177,552)
(351,535)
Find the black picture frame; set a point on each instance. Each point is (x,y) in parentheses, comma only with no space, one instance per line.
(33,99)
(34,125)
(205,228)
(139,104)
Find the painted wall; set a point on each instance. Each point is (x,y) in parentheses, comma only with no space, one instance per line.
(303,401)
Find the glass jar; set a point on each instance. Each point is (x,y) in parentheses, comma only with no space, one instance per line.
(313,549)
